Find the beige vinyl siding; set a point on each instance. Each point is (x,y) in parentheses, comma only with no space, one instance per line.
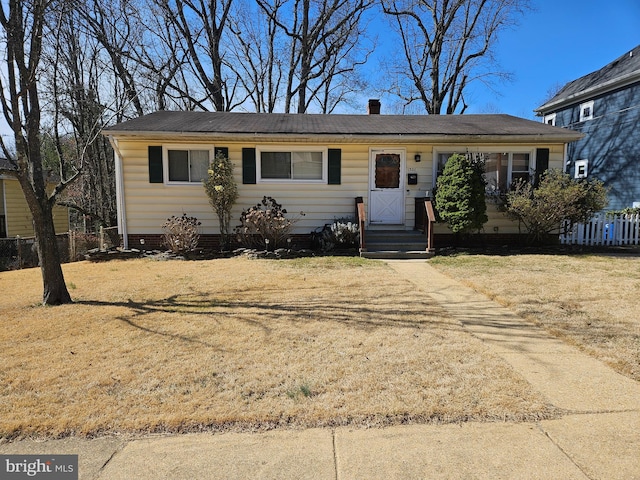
(148,205)
(19,221)
(18,216)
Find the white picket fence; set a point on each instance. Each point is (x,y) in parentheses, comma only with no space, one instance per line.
(605,229)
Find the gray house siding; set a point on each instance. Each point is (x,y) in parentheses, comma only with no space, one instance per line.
(611,144)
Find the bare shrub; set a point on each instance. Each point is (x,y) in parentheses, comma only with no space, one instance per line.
(181,234)
(264,225)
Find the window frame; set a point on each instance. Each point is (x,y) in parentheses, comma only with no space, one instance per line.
(510,151)
(324,150)
(583,106)
(182,147)
(583,162)
(550,119)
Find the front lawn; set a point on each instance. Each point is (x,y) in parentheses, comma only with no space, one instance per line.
(240,344)
(590,301)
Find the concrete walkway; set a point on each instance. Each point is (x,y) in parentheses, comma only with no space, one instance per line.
(597,438)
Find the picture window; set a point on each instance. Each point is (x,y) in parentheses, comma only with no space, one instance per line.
(295,164)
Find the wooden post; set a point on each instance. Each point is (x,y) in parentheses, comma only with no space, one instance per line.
(102,249)
(19,248)
(431,220)
(360,214)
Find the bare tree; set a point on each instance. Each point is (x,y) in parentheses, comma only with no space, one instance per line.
(74,74)
(24,26)
(446,45)
(339,79)
(199,25)
(319,31)
(256,54)
(163,61)
(113,25)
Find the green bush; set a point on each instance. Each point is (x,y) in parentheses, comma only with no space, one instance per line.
(558,198)
(460,194)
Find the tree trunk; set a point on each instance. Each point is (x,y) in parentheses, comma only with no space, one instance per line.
(55,289)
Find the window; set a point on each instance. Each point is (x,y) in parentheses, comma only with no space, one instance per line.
(520,167)
(582,168)
(586,111)
(550,119)
(292,164)
(501,169)
(187,165)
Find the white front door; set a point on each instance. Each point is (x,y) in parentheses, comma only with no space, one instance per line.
(386,196)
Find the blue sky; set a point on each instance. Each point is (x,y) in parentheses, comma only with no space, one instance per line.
(559,41)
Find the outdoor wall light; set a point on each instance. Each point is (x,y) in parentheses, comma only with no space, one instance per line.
(417,157)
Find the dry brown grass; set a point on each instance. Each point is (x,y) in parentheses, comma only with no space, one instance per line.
(240,344)
(590,301)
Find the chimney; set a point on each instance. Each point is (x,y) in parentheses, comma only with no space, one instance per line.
(374,106)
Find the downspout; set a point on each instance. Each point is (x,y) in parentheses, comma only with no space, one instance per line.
(120,201)
(565,160)
(4,208)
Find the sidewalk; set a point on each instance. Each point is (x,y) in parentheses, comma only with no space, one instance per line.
(597,438)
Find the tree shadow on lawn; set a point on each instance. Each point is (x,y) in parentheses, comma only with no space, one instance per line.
(262,314)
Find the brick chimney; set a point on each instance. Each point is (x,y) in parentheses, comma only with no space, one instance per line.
(374,106)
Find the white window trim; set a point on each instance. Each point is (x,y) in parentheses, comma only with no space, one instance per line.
(461,149)
(581,163)
(292,148)
(182,146)
(551,117)
(584,105)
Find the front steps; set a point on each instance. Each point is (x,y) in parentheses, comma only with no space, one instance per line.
(395,244)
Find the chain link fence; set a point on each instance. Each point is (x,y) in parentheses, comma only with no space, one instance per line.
(21,252)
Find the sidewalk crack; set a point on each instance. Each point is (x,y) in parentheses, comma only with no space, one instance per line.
(117,450)
(335,453)
(564,452)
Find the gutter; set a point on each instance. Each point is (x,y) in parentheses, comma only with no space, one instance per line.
(563,136)
(120,200)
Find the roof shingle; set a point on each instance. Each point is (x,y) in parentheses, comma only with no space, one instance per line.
(621,68)
(266,124)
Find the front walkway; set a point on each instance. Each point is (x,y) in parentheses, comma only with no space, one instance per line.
(597,438)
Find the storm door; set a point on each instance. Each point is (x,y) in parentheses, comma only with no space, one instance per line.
(386,197)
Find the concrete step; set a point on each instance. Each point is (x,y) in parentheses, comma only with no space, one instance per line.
(395,244)
(397,254)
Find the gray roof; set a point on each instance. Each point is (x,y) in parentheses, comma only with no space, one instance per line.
(277,125)
(6,165)
(622,71)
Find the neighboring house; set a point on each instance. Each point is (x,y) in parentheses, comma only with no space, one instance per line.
(605,106)
(316,164)
(15,216)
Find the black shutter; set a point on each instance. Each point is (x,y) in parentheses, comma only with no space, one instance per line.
(155,165)
(221,150)
(542,164)
(334,166)
(248,165)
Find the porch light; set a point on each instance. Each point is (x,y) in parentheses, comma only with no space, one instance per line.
(417,157)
